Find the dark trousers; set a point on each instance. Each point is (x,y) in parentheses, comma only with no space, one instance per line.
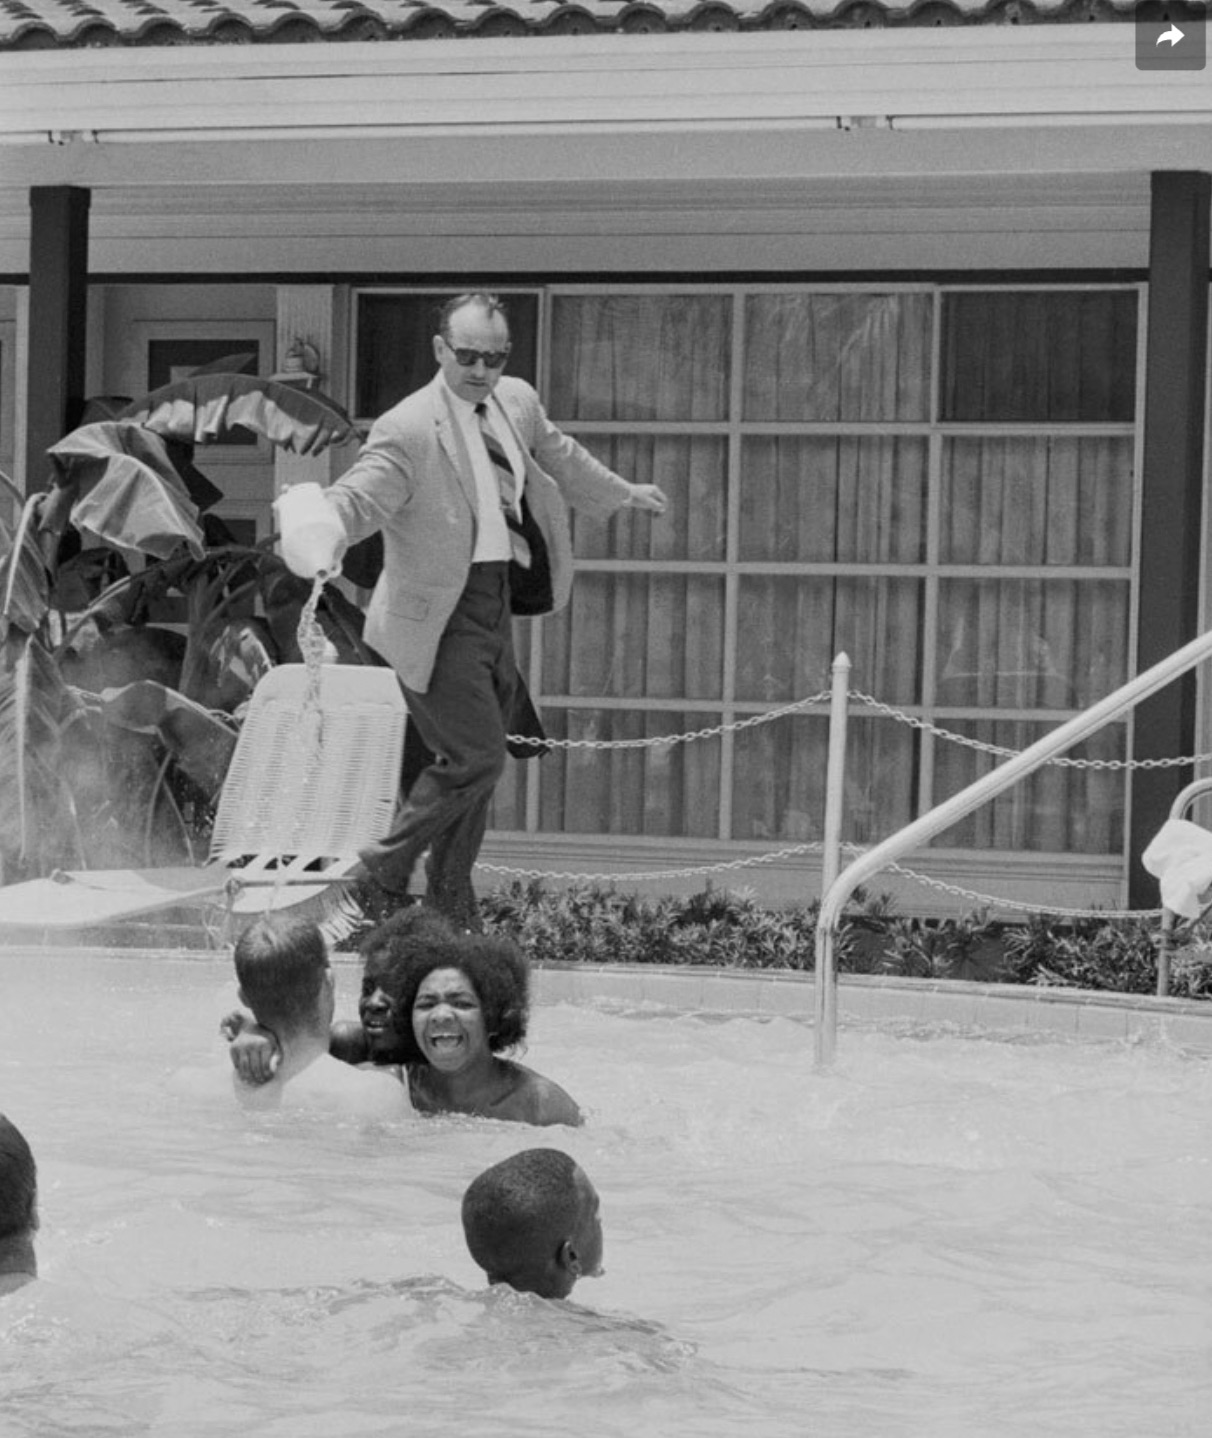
(462,720)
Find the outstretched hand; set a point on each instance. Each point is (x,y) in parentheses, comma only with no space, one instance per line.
(648,496)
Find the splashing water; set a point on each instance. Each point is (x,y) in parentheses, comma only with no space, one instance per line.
(314,647)
(307,741)
(947,1235)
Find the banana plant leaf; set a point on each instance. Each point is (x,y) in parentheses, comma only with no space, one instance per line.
(228,364)
(24,585)
(237,657)
(201,741)
(14,712)
(202,407)
(35,707)
(120,484)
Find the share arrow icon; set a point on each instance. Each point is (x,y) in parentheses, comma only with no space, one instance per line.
(1171,34)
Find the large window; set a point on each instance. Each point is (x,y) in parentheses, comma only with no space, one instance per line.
(939,481)
(394,353)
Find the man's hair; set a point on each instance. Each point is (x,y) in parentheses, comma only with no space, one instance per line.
(18,1181)
(280,964)
(517,1213)
(480,299)
(408,947)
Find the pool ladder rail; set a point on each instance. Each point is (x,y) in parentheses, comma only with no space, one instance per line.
(837,888)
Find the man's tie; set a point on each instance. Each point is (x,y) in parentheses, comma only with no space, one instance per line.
(507,481)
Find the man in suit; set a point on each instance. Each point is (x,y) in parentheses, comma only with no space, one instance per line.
(468,481)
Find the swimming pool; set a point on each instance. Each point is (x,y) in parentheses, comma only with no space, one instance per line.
(943,1235)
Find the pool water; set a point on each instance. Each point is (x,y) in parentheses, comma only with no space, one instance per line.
(944,1235)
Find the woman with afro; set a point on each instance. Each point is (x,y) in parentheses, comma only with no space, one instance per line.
(445,1006)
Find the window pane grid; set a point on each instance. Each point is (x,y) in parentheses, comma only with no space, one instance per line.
(1037,499)
(978,570)
(841,355)
(779,785)
(1039,355)
(1057,809)
(693,473)
(668,790)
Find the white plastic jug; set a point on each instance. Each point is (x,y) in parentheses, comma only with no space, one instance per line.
(311,535)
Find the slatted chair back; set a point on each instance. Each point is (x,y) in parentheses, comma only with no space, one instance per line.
(314,779)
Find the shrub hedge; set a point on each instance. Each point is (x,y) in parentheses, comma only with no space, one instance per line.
(728,928)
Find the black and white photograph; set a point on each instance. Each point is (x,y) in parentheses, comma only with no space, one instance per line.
(605,718)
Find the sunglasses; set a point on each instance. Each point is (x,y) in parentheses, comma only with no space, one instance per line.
(493,359)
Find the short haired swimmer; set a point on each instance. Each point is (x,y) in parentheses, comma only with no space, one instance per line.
(284,977)
(18,1208)
(533,1221)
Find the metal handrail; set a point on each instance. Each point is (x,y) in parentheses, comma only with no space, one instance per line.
(943,815)
(1188,795)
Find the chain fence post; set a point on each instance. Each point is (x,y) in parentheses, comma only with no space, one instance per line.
(825,979)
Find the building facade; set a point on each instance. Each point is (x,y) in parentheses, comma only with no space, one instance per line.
(877,309)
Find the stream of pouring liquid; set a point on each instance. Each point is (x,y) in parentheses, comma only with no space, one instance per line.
(308,738)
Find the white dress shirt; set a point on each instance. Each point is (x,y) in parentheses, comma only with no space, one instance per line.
(492,535)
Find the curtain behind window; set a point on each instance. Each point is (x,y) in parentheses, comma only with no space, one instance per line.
(856,503)
(1044,501)
(982,579)
(653,634)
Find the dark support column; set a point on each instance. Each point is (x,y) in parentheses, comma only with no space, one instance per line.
(1171,515)
(58,315)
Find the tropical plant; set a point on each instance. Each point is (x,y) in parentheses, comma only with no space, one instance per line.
(971,947)
(124,662)
(1087,953)
(589,923)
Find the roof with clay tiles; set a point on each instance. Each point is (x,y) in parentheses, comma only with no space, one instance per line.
(70,24)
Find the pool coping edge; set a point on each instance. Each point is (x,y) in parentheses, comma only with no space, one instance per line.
(1005,1009)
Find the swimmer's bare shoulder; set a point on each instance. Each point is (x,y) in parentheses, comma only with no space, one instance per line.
(514,1093)
(533,1098)
(366,1093)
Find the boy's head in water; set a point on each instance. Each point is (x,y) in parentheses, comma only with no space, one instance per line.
(18,1208)
(533,1221)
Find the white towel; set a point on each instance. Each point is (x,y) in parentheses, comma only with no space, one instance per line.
(1180,855)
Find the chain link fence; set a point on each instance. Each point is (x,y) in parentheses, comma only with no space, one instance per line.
(800,706)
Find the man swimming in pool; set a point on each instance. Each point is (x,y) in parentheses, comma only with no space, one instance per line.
(534,1222)
(18,1209)
(285,979)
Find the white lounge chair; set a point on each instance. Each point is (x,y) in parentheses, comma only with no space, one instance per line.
(312,780)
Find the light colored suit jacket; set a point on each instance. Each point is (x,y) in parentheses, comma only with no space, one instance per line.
(413,480)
